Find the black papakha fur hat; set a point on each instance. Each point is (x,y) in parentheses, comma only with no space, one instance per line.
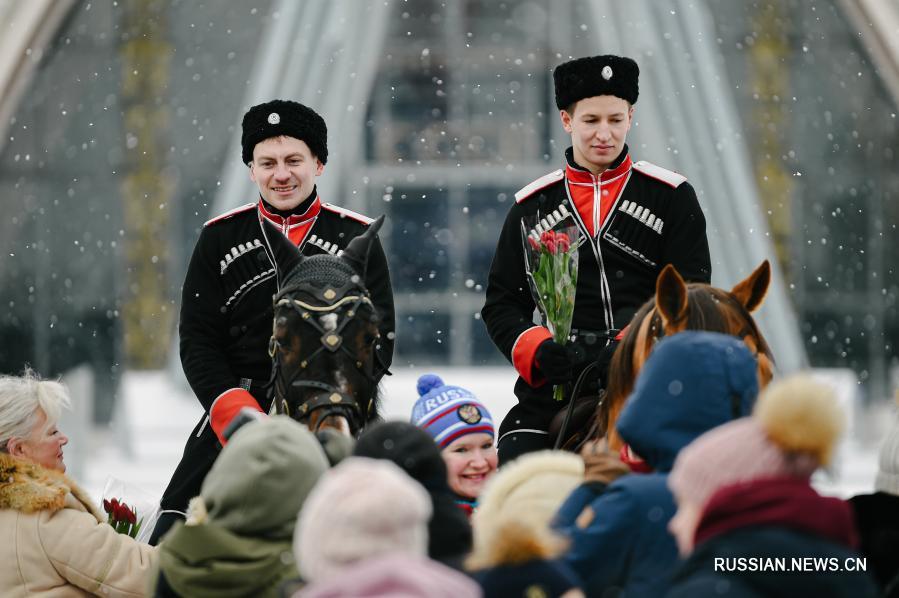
(596,76)
(284,117)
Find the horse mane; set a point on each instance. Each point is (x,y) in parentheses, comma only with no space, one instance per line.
(620,380)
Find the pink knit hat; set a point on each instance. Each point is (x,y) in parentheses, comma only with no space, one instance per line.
(791,433)
(360,509)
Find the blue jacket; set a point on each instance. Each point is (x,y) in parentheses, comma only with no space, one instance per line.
(692,382)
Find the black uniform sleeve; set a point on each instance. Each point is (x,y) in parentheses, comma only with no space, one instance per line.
(203,326)
(377,281)
(685,244)
(509,308)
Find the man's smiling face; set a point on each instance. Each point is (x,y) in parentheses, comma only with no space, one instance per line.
(284,169)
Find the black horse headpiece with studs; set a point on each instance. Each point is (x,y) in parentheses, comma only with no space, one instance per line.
(314,287)
(324,277)
(319,274)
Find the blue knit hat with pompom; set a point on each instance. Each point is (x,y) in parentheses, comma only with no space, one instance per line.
(448,412)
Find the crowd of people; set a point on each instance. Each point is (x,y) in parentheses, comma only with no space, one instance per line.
(420,508)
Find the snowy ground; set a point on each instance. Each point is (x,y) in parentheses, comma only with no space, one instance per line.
(157,413)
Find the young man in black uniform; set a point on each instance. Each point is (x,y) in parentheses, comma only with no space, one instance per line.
(226,303)
(633,218)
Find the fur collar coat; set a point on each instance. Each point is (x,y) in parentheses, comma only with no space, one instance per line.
(56,543)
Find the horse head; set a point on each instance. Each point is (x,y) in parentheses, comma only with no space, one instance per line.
(323,337)
(679,306)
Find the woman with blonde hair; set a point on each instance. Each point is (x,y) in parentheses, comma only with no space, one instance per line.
(57,543)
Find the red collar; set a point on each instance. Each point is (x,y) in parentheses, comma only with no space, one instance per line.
(294,219)
(576,174)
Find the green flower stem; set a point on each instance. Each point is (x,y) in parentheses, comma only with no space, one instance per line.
(555,280)
(136,528)
(559,392)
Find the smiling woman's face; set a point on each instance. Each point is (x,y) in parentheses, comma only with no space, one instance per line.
(43,445)
(470,461)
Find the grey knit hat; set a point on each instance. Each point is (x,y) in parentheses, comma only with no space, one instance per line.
(262,477)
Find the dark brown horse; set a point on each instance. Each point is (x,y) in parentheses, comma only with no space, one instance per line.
(324,334)
(679,306)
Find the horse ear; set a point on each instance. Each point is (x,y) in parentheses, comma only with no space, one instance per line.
(283,252)
(671,296)
(356,253)
(751,291)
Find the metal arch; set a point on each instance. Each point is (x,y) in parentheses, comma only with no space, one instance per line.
(687,120)
(330,62)
(687,100)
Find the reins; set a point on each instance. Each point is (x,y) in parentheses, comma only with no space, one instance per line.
(575,391)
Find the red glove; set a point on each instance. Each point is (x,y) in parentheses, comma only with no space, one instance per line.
(226,407)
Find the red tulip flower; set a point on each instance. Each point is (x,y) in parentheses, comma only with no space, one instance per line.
(122,517)
(553,272)
(549,241)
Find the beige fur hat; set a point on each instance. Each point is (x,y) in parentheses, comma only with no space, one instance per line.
(512,521)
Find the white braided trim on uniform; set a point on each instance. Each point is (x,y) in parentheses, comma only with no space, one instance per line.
(522,430)
(252,282)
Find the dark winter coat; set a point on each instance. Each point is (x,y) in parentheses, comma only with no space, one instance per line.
(227,312)
(773,538)
(686,388)
(545,578)
(226,303)
(877,517)
(655,220)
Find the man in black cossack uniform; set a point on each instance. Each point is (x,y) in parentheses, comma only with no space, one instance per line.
(633,218)
(226,302)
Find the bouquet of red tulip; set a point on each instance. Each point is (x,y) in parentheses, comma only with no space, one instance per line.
(122,517)
(129,509)
(552,252)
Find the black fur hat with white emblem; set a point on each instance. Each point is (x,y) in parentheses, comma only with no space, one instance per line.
(284,117)
(596,76)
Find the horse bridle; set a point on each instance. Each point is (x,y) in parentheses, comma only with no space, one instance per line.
(748,329)
(329,398)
